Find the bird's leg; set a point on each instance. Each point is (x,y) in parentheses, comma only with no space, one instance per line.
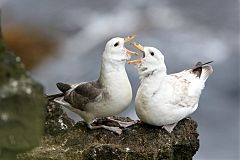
(169,127)
(113,129)
(123,124)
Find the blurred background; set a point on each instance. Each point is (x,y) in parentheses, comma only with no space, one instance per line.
(61,40)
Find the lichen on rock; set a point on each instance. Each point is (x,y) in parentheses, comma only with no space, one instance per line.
(56,121)
(140,141)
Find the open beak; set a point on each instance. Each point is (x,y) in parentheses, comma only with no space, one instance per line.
(129,38)
(140,48)
(136,61)
(131,53)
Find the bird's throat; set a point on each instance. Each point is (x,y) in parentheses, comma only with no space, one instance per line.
(112,72)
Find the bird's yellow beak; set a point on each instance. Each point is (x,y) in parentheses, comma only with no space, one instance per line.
(140,48)
(136,61)
(131,53)
(129,38)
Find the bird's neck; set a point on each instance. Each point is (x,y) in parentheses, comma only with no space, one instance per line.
(154,76)
(151,83)
(112,71)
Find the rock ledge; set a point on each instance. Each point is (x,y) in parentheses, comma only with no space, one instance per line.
(139,141)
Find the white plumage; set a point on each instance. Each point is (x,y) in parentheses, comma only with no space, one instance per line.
(109,95)
(164,100)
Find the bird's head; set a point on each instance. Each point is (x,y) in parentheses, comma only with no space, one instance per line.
(151,61)
(115,50)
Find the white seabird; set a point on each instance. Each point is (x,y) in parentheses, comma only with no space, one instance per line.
(164,100)
(109,95)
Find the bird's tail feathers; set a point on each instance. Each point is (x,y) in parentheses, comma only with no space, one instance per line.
(63,87)
(207,70)
(203,70)
(53,96)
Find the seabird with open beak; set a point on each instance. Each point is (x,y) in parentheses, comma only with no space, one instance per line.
(164,100)
(109,95)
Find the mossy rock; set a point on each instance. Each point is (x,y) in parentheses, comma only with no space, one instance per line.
(140,141)
(21,106)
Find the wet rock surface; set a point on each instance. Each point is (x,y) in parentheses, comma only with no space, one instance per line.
(140,141)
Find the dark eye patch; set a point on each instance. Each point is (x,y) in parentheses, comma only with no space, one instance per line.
(116,44)
(152,53)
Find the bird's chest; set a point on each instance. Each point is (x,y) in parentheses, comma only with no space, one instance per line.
(145,102)
(118,97)
(120,91)
(147,94)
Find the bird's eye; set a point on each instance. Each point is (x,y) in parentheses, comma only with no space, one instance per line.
(116,44)
(152,53)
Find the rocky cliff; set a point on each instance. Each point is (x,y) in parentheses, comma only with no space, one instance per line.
(66,141)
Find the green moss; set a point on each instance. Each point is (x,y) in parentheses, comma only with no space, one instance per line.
(24,126)
(10,67)
(2,48)
(8,155)
(21,105)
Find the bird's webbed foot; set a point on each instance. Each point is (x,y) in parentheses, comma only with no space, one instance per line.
(122,123)
(116,130)
(169,127)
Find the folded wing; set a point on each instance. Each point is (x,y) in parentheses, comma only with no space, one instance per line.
(81,95)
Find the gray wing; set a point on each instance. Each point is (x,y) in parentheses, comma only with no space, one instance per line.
(83,94)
